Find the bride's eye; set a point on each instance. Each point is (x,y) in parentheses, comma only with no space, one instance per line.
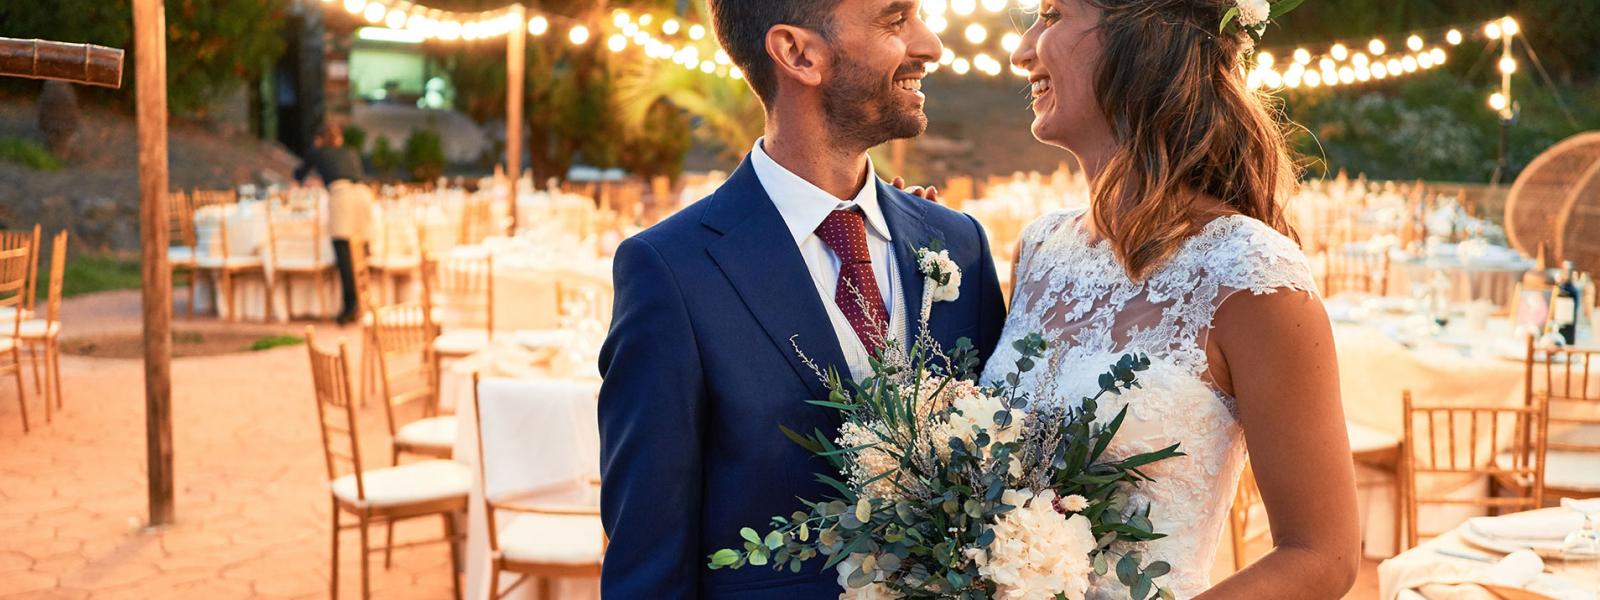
(1049,17)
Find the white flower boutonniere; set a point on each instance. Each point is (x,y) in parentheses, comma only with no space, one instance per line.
(941,278)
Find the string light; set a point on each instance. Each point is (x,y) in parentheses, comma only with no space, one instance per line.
(579,35)
(1454,37)
(538,25)
(976,33)
(1376,47)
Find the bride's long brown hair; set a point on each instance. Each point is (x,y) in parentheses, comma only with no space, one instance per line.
(1185,126)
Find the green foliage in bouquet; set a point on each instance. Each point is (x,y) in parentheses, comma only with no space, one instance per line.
(941,478)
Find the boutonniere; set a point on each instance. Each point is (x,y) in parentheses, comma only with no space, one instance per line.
(941,278)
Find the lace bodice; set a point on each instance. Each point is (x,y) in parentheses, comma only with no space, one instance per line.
(1078,296)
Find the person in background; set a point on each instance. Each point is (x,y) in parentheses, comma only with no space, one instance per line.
(349,204)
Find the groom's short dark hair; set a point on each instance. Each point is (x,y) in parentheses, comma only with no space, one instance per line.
(742,27)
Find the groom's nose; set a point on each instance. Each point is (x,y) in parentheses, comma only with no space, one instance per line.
(924,44)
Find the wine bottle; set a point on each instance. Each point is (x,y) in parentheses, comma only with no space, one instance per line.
(1564,311)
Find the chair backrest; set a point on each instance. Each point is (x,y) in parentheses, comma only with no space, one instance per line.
(1348,271)
(58,275)
(402,337)
(278,228)
(464,284)
(224,202)
(180,221)
(30,240)
(361,274)
(1560,378)
(336,415)
(14,285)
(1450,441)
(1246,501)
(583,296)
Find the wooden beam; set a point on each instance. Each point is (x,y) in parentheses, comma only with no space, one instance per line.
(150,57)
(516,67)
(77,63)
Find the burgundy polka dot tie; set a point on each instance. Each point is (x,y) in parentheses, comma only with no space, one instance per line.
(845,232)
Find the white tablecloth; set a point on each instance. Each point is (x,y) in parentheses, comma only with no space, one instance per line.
(1431,569)
(541,433)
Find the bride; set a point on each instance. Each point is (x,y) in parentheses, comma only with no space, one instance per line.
(1185,254)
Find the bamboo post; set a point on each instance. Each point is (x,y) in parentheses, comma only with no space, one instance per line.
(516,66)
(149,26)
(76,63)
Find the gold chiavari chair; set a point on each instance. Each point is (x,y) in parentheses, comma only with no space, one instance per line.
(399,253)
(321,268)
(24,238)
(541,540)
(361,275)
(382,496)
(44,335)
(13,291)
(1445,441)
(1348,271)
(217,259)
(1246,502)
(582,296)
(459,294)
(1560,379)
(406,374)
(182,253)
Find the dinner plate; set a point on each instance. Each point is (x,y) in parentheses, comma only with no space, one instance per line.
(1547,550)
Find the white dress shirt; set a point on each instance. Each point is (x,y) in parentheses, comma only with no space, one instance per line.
(803,207)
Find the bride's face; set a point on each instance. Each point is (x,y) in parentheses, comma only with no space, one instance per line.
(1061,53)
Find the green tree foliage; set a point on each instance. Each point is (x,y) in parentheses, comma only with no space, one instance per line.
(211,44)
(424,155)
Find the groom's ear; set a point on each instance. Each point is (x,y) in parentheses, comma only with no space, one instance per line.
(797,53)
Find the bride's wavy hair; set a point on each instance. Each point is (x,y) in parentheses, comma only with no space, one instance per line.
(1185,124)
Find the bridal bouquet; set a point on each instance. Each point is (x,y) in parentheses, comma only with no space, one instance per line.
(955,490)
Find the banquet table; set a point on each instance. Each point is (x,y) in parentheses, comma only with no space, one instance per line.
(1446,567)
(298,241)
(1473,361)
(541,430)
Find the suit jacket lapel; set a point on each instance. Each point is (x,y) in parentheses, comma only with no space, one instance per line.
(759,257)
(906,221)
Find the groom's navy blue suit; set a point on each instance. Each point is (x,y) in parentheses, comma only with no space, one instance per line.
(700,372)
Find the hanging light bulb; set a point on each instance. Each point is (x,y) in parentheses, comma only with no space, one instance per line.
(935,7)
(1497,101)
(708,67)
(579,35)
(1376,47)
(938,23)
(947,57)
(1379,70)
(1312,79)
(1425,60)
(1414,43)
(961,66)
(1011,41)
(976,33)
(670,27)
(621,19)
(1302,56)
(1492,30)
(697,32)
(538,25)
(617,42)
(1454,37)
(736,73)
(374,13)
(1409,63)
(1438,55)
(1028,4)
(1339,52)
(1509,26)
(1327,64)
(963,7)
(646,19)
(1508,65)
(355,7)
(1264,60)
(1359,59)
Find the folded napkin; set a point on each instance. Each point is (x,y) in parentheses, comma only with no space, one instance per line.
(1588,506)
(1436,576)
(1534,529)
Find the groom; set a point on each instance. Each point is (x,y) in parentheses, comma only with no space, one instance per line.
(700,370)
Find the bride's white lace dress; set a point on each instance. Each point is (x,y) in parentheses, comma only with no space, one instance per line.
(1076,294)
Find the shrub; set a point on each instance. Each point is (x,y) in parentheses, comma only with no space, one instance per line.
(384,158)
(424,155)
(28,153)
(355,137)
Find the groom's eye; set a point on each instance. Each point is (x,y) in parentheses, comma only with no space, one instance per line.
(1049,17)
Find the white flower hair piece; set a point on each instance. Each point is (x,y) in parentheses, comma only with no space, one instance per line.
(1252,16)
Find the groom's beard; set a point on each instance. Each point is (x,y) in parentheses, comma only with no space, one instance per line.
(864,110)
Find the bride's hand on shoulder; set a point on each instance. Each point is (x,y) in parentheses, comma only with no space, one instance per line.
(1275,354)
(929,193)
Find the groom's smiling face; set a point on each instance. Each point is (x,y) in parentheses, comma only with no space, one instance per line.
(872,91)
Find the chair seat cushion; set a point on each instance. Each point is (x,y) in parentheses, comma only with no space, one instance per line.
(461,342)
(182,255)
(1366,439)
(6,343)
(437,432)
(395,263)
(304,264)
(407,484)
(8,313)
(1572,470)
(39,329)
(553,539)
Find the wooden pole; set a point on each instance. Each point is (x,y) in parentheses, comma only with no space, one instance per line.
(77,63)
(516,67)
(150,57)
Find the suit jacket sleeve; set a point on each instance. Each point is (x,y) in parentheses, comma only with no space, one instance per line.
(651,408)
(991,304)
